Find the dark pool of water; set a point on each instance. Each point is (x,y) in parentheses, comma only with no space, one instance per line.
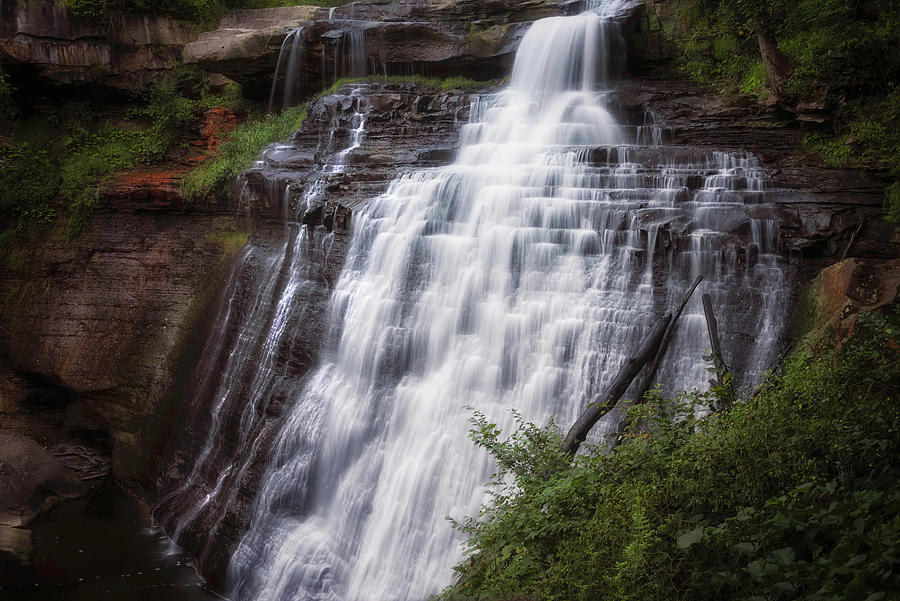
(101,549)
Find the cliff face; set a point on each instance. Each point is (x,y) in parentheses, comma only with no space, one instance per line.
(94,330)
(110,338)
(277,299)
(121,52)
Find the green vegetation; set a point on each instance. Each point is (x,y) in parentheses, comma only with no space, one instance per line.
(845,47)
(791,494)
(239,150)
(840,58)
(69,150)
(8,108)
(230,241)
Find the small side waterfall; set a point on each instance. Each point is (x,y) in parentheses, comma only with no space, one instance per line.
(519,277)
(347,48)
(293,46)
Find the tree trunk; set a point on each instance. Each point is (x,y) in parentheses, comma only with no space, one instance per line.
(777,66)
(605,401)
(651,371)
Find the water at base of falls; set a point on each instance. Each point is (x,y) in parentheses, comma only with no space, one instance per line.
(518,277)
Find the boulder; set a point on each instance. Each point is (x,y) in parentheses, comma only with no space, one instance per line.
(15,544)
(834,299)
(31,480)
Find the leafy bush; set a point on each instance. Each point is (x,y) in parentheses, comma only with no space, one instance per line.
(849,47)
(28,183)
(8,108)
(789,495)
(239,150)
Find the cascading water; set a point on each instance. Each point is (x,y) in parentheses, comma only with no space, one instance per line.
(293,46)
(265,310)
(518,277)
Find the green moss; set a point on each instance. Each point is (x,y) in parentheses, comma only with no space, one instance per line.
(231,241)
(754,83)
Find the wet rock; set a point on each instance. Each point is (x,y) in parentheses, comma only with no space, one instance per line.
(819,206)
(298,185)
(31,480)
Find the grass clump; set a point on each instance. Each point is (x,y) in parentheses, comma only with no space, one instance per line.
(456,83)
(789,495)
(239,150)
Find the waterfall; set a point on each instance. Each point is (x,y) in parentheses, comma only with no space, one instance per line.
(518,277)
(290,92)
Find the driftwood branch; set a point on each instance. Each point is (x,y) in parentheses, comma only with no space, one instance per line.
(606,400)
(660,352)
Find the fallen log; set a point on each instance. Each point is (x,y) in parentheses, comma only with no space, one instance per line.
(713,331)
(664,344)
(657,359)
(606,400)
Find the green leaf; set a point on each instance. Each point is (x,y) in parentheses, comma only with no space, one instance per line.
(783,556)
(690,537)
(745,548)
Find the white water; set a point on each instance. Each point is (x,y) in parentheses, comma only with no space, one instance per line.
(518,277)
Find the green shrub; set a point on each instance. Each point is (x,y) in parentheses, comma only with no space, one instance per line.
(74,166)
(8,108)
(789,495)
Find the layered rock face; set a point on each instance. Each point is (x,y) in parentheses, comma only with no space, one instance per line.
(432,38)
(94,330)
(121,52)
(825,214)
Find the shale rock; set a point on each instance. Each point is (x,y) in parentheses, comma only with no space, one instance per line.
(298,183)
(820,207)
(98,328)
